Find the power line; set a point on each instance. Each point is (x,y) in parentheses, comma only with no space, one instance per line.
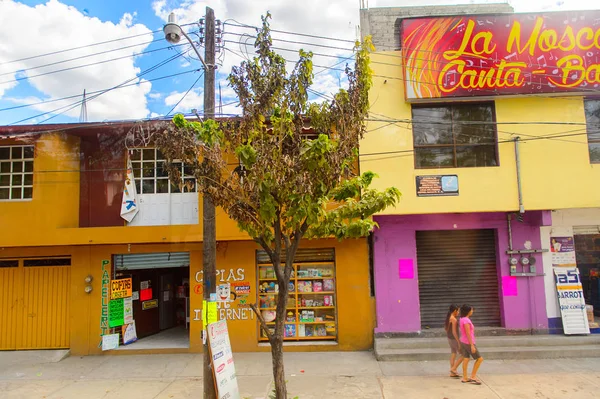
(92,64)
(241,25)
(185,95)
(80,57)
(77,103)
(98,91)
(85,46)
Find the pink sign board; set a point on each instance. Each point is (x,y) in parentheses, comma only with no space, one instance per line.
(509,286)
(406,270)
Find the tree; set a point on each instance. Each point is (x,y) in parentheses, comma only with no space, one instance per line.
(278,183)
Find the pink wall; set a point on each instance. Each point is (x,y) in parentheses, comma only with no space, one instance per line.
(398,299)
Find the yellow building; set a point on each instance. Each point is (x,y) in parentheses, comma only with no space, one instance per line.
(64,246)
(487,122)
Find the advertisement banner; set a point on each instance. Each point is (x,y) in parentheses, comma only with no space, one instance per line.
(116,313)
(571,301)
(222,361)
(120,288)
(563,252)
(493,55)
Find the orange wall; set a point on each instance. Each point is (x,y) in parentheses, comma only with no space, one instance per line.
(52,216)
(354,303)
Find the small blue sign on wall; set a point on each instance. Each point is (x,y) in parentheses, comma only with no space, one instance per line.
(437,186)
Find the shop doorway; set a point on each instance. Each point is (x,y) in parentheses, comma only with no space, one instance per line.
(160,298)
(587,252)
(458,266)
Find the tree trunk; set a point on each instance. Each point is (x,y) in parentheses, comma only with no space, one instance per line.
(277,342)
(278,368)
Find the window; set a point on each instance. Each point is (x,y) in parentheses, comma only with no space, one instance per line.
(592,119)
(449,136)
(151,177)
(16,172)
(311,306)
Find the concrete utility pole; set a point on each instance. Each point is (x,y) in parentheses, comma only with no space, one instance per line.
(173,33)
(209,231)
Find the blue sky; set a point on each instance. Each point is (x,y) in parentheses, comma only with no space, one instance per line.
(29,29)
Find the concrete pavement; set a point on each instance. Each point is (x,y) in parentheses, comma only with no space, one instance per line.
(310,375)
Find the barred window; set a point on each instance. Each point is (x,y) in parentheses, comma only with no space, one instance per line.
(16,172)
(152,178)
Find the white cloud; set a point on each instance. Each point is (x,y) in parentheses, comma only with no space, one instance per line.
(29,31)
(155,95)
(194,99)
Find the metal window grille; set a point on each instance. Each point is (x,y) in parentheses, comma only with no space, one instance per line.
(16,172)
(151,177)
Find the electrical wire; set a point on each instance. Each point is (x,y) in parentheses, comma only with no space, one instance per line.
(86,46)
(98,91)
(78,103)
(185,95)
(93,63)
(80,57)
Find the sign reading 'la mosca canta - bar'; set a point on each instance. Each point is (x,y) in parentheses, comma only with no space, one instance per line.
(490,55)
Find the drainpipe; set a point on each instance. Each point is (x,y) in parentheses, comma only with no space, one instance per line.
(518,159)
(510,243)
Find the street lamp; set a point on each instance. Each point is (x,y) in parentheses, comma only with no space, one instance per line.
(173,33)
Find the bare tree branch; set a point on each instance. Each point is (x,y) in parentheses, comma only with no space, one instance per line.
(263,323)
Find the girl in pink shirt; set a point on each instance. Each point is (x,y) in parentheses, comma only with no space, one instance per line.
(467,343)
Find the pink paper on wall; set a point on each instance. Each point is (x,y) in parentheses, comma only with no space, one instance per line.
(406,269)
(509,286)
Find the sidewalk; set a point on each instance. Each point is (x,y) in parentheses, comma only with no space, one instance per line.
(310,375)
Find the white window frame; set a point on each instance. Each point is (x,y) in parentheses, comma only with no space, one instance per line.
(16,173)
(148,172)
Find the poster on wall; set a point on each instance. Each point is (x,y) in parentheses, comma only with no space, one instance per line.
(116,313)
(563,252)
(127,310)
(503,54)
(437,186)
(571,301)
(120,288)
(222,360)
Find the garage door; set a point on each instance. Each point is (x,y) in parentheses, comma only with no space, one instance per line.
(34,303)
(458,267)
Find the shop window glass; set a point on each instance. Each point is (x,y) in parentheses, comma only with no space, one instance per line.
(592,119)
(16,172)
(311,306)
(450,136)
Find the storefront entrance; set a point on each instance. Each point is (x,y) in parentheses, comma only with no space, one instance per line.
(458,266)
(587,252)
(160,298)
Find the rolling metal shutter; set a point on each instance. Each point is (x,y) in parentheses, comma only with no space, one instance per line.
(152,260)
(458,267)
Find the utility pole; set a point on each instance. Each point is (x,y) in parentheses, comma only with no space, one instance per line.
(173,34)
(209,231)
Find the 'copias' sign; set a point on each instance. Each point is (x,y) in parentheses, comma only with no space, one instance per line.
(490,55)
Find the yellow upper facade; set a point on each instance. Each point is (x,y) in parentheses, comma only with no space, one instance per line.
(556,172)
(52,216)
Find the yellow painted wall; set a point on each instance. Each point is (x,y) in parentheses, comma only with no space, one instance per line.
(52,216)
(556,173)
(354,303)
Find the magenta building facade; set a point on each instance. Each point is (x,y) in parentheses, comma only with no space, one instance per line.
(521,302)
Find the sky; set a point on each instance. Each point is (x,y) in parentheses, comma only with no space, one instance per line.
(51,51)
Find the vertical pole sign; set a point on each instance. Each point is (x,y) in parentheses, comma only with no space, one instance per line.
(571,301)
(221,357)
